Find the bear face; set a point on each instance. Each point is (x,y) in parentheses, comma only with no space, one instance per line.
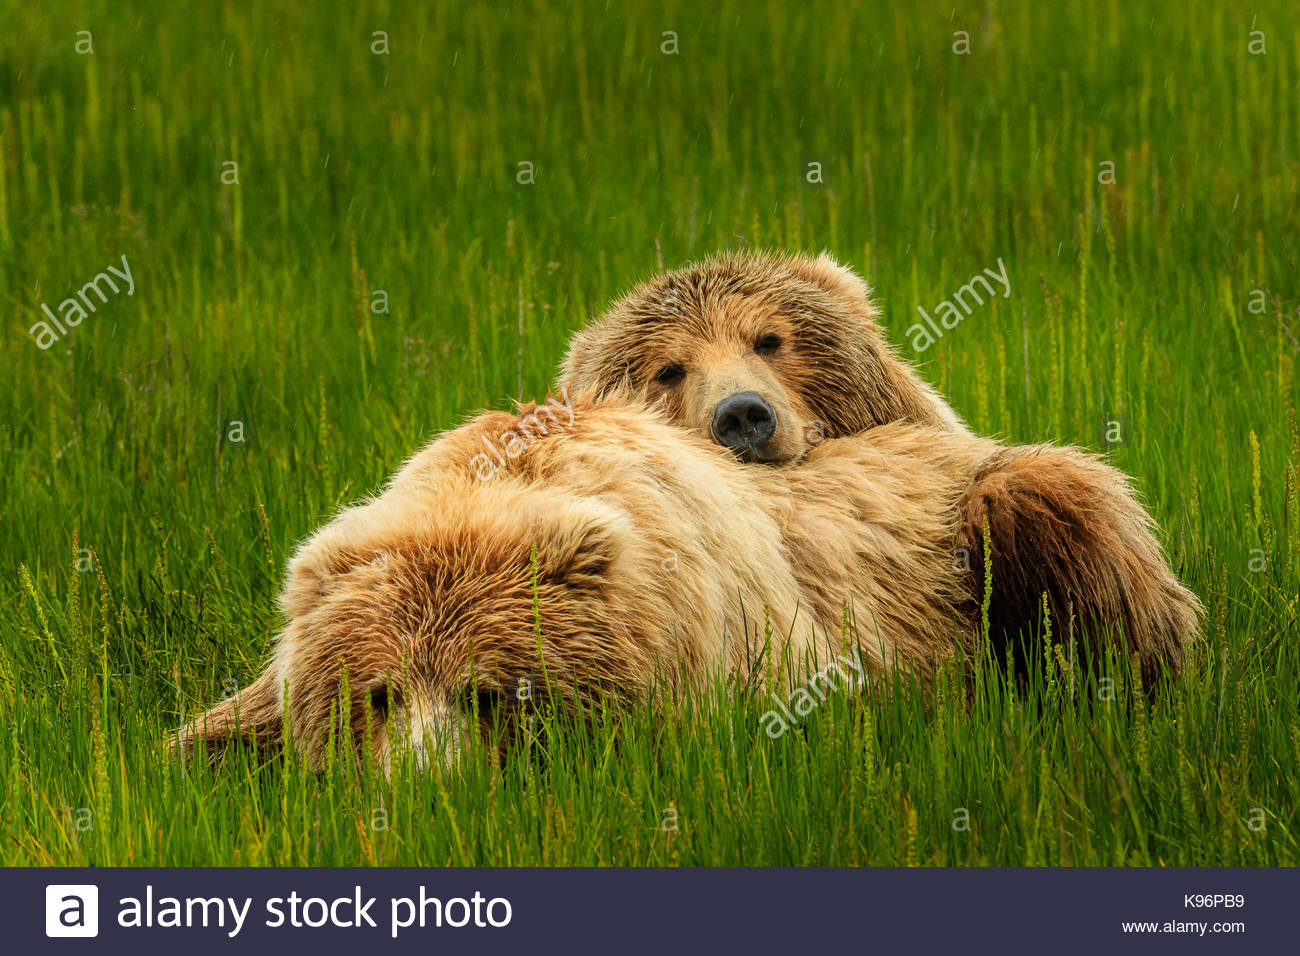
(764,354)
(429,638)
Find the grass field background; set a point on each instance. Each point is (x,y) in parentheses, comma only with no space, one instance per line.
(141,548)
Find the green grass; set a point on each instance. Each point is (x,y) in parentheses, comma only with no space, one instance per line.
(1131,302)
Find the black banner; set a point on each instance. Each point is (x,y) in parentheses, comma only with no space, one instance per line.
(650,911)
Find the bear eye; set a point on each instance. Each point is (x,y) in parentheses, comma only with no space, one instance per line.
(381,699)
(768,344)
(481,702)
(670,375)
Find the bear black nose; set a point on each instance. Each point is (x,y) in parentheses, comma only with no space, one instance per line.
(744,422)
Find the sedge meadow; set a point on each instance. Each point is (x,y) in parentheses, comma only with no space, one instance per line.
(352,225)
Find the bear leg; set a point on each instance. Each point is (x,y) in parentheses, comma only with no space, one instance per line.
(1063,523)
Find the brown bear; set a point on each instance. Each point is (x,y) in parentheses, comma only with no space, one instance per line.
(597,553)
(769,354)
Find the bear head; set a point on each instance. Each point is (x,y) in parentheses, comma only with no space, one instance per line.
(765,354)
(481,608)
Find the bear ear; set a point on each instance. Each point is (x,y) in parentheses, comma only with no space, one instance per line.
(836,279)
(577,544)
(253,716)
(580,373)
